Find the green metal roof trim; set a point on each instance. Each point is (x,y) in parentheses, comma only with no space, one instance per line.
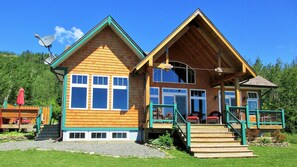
(108,21)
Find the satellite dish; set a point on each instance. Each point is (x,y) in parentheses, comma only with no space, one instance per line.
(46,41)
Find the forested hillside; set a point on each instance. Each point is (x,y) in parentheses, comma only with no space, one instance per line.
(285,96)
(27,70)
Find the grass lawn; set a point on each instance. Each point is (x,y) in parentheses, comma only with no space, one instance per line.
(268,156)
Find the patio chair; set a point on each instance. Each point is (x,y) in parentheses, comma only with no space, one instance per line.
(194,117)
(213,117)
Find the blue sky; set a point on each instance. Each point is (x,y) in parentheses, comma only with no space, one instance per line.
(266,28)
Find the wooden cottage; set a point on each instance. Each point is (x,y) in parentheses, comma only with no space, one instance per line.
(113,90)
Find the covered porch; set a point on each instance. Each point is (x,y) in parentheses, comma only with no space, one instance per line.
(195,72)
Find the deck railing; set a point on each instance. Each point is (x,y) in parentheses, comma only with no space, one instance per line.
(184,127)
(38,120)
(231,119)
(257,117)
(268,117)
(157,116)
(175,118)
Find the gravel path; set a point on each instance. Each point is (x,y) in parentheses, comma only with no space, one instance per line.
(126,149)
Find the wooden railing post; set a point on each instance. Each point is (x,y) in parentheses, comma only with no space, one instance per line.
(188,135)
(258,118)
(151,114)
(227,116)
(50,114)
(283,119)
(174,113)
(5,104)
(243,134)
(247,116)
(0,118)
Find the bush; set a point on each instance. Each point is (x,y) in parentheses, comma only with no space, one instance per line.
(278,136)
(252,134)
(265,140)
(163,140)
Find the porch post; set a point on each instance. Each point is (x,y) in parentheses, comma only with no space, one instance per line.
(148,82)
(223,102)
(147,89)
(237,91)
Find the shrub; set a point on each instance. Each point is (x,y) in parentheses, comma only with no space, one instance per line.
(252,134)
(265,140)
(163,140)
(291,138)
(278,136)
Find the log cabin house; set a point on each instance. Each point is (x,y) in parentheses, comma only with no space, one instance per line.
(113,90)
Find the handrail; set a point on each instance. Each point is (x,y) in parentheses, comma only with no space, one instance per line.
(1,118)
(242,123)
(38,120)
(176,114)
(188,128)
(50,114)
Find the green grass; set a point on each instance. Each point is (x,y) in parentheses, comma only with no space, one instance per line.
(268,156)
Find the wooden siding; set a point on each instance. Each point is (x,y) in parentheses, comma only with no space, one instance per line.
(106,54)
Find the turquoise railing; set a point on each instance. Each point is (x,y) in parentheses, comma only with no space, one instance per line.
(233,120)
(50,114)
(261,117)
(38,120)
(165,119)
(184,127)
(176,119)
(268,117)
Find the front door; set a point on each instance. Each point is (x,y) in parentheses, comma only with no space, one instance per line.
(181,102)
(171,95)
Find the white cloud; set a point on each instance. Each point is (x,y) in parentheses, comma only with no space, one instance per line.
(67,36)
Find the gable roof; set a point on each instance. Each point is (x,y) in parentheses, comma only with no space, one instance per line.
(181,27)
(108,21)
(258,81)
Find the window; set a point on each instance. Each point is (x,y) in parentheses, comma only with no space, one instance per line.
(252,95)
(79,89)
(77,135)
(198,102)
(154,95)
(120,93)
(100,92)
(98,135)
(252,100)
(180,73)
(119,135)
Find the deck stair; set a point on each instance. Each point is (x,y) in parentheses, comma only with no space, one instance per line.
(48,132)
(216,141)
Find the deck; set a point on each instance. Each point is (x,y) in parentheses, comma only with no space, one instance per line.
(18,118)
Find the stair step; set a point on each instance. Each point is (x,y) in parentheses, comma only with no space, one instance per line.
(205,144)
(218,135)
(219,149)
(208,127)
(225,155)
(212,139)
(209,130)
